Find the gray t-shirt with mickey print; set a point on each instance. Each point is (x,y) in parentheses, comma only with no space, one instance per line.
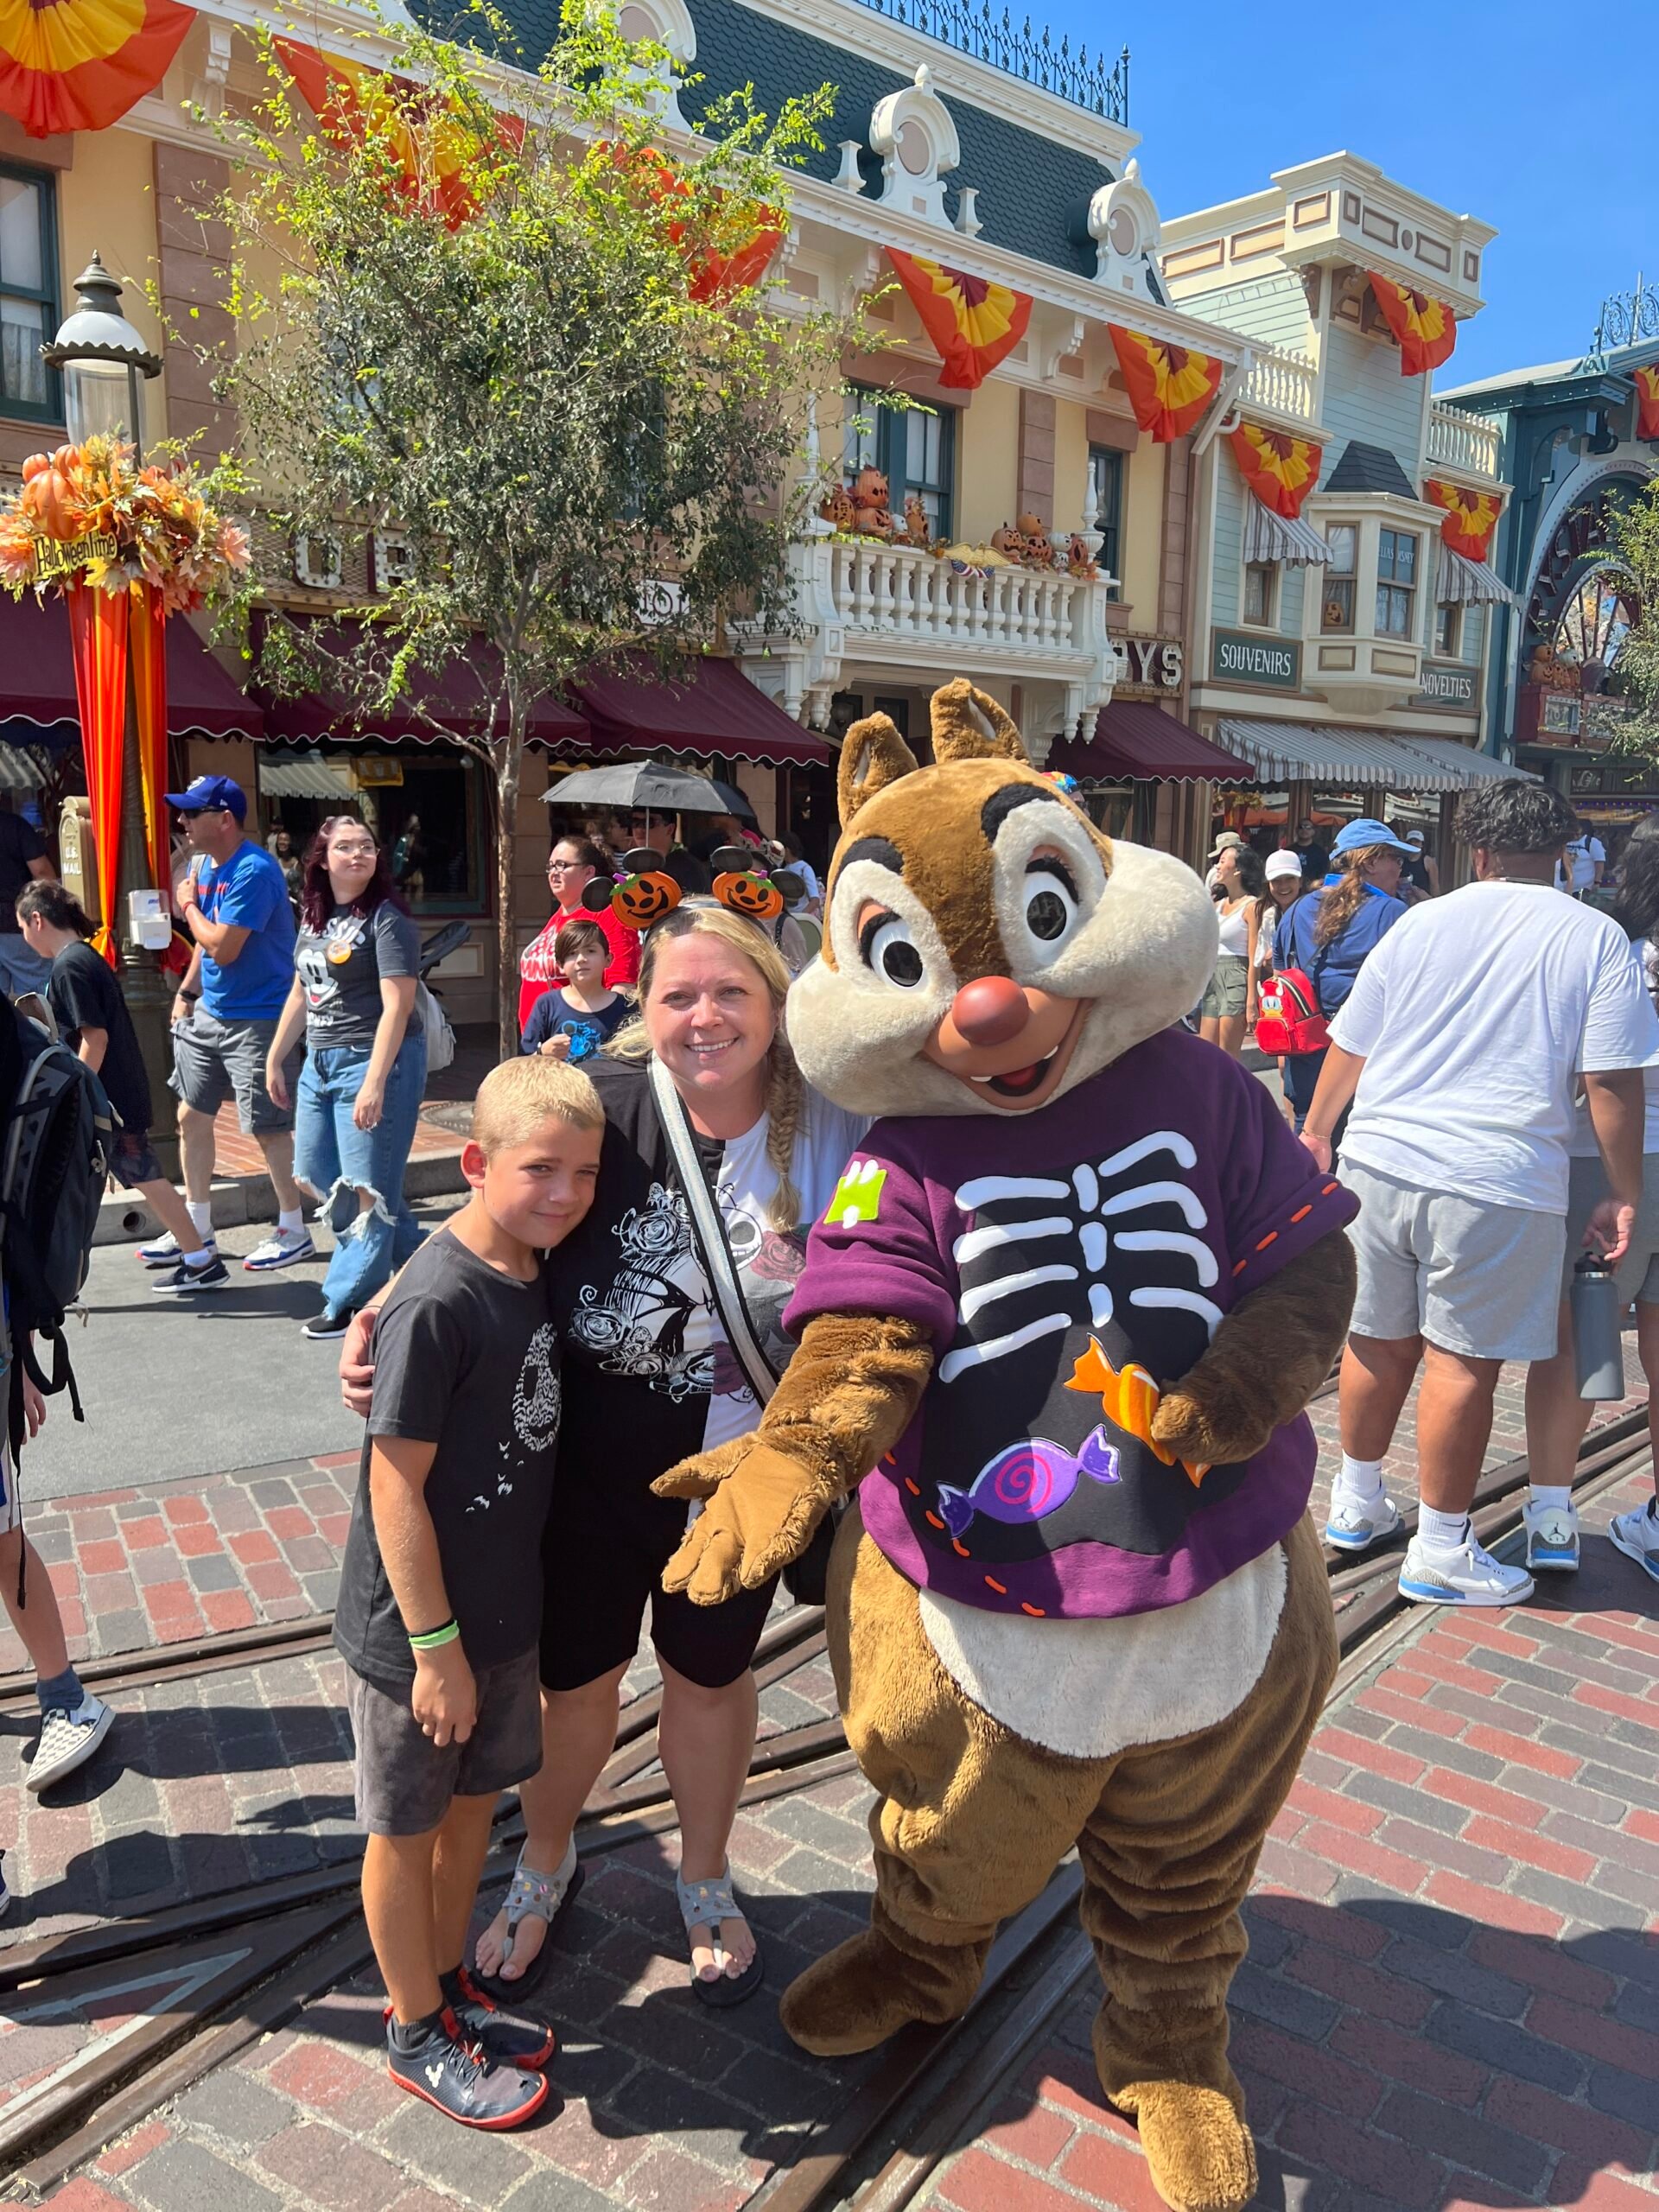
(468,1359)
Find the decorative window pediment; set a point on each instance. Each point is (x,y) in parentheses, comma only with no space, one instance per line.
(666,24)
(912,131)
(1124,223)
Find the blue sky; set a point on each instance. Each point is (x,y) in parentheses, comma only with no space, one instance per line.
(1534,119)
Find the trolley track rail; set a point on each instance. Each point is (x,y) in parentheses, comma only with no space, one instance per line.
(295,1937)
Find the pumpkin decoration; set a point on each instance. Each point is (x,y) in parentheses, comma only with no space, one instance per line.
(1077,561)
(836,508)
(871,503)
(1009,541)
(759,892)
(48,496)
(916,532)
(644,896)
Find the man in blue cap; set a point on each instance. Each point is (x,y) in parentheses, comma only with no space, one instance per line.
(234,903)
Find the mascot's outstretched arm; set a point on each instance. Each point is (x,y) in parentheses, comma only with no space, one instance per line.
(1265,1362)
(846,1398)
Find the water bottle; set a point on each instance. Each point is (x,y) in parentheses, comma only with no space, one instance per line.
(1598,1354)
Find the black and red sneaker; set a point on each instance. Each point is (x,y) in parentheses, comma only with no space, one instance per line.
(510,2038)
(453,2074)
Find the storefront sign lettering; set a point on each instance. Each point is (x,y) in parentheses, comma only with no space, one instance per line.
(1445,683)
(1237,658)
(1150,663)
(53,556)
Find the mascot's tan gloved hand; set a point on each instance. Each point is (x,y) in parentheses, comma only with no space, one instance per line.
(846,1397)
(1266,1360)
(763,1505)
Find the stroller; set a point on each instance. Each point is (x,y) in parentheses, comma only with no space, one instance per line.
(440,1037)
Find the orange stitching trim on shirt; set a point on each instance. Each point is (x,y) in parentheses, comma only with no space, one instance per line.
(1001,1588)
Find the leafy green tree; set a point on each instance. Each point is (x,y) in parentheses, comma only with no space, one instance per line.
(482,307)
(1635,535)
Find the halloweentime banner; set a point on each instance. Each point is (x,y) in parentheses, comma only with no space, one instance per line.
(973,322)
(1426,329)
(80,65)
(1169,386)
(1647,401)
(1469,517)
(1280,470)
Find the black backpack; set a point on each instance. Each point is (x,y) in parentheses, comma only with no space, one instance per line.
(56,1139)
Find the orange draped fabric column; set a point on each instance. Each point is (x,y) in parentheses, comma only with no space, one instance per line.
(98,635)
(148,636)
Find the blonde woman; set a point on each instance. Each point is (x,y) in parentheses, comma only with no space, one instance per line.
(649,1378)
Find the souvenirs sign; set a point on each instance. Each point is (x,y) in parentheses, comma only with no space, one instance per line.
(1236,656)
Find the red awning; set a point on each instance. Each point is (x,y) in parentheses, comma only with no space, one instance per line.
(461,697)
(713,709)
(37,676)
(1136,742)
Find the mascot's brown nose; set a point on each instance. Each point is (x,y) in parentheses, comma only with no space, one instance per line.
(991,1011)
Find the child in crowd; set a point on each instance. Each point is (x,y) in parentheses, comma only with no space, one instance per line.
(439,1610)
(571,1022)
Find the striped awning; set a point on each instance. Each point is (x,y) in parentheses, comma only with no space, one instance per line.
(22,769)
(1315,752)
(308,776)
(1463,582)
(1471,766)
(1268,537)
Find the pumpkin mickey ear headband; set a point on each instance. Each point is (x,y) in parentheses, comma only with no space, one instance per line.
(645,894)
(760,893)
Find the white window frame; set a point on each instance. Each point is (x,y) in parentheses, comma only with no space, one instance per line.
(1274,570)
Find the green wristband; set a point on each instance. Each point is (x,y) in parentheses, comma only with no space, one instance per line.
(433,1639)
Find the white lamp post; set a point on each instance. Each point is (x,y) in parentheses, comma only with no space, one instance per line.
(105,363)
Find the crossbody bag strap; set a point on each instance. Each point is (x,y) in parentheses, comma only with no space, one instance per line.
(710,1232)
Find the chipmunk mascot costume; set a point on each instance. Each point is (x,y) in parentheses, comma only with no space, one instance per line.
(1056,1331)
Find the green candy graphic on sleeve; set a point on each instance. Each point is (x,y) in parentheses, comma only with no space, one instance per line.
(857,1201)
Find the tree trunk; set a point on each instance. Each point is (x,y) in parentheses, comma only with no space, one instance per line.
(506,829)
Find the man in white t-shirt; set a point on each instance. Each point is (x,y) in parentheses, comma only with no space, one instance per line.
(1462,1047)
(1583,866)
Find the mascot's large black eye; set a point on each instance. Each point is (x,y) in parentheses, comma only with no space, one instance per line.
(1045,914)
(1050,907)
(886,944)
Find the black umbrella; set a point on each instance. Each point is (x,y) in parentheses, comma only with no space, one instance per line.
(649,787)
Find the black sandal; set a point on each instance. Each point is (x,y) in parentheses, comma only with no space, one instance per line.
(705,1904)
(531,1896)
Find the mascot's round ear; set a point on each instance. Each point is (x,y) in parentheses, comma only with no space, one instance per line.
(873,755)
(969,725)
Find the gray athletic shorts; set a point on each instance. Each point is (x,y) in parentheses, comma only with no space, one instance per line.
(214,1060)
(1480,1280)
(404,1782)
(1637,1273)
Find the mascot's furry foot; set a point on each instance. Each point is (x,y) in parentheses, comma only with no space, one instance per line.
(1199,2152)
(866,1990)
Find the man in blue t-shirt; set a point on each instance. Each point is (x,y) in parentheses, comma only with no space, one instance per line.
(234,903)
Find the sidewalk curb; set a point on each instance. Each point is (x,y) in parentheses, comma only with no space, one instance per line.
(122,1217)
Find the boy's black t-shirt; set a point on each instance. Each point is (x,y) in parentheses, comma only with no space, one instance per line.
(467,1359)
(83,994)
(554,1014)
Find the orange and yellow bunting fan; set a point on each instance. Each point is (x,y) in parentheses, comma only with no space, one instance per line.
(1170,386)
(1647,401)
(1426,329)
(80,65)
(1471,517)
(974,323)
(712,274)
(351,99)
(1280,470)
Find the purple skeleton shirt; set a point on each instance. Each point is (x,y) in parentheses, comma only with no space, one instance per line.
(1071,1266)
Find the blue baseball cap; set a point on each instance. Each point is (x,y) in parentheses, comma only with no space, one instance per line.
(208,794)
(1366,831)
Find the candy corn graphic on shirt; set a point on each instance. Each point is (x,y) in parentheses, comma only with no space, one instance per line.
(1072,1264)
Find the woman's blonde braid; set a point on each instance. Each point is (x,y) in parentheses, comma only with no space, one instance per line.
(785,1095)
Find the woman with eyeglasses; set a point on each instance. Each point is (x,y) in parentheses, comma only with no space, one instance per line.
(357,968)
(571,867)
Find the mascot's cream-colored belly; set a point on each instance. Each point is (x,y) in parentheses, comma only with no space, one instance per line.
(1088,1688)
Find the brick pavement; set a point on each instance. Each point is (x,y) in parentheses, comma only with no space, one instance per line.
(1453,1996)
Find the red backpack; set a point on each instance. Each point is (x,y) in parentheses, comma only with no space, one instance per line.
(1288,1018)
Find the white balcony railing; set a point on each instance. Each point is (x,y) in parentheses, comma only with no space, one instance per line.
(899,592)
(1282,383)
(1468,443)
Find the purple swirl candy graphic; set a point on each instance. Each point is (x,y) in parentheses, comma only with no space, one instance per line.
(1027,1481)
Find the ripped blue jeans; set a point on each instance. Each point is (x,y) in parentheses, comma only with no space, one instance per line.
(336,1159)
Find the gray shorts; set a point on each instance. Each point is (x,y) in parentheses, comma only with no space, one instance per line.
(1226,991)
(214,1060)
(1637,1273)
(1480,1280)
(404,1782)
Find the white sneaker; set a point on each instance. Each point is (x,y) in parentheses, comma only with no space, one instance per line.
(1468,1576)
(281,1250)
(1636,1535)
(69,1740)
(167,1251)
(1354,1528)
(1551,1538)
